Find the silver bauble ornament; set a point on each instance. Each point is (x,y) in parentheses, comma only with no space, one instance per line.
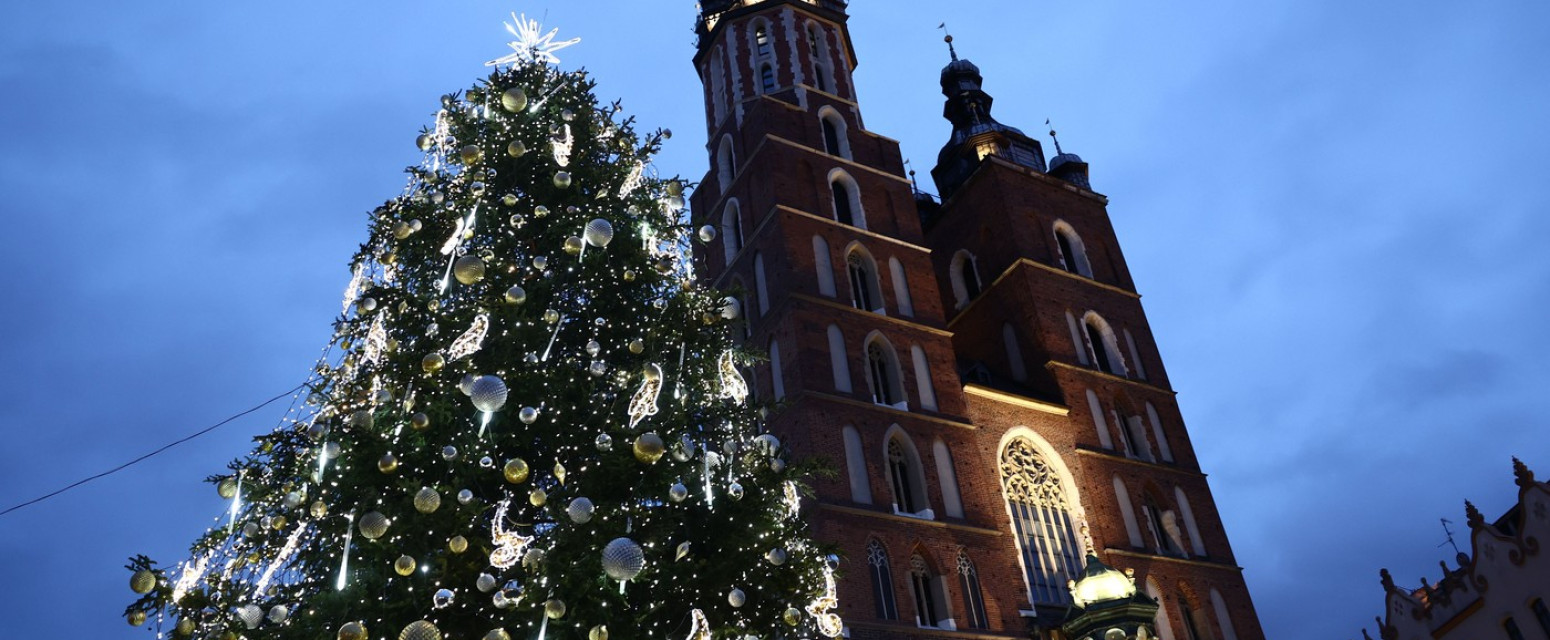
(678,492)
(466,383)
(528,415)
(541,262)
(427,500)
(597,368)
(604,442)
(516,149)
(580,510)
(562,179)
(776,556)
(731,309)
(735,490)
(737,598)
(623,559)
(279,613)
(516,295)
(468,269)
(497,634)
(767,444)
(594,348)
(443,598)
(227,488)
(485,583)
(465,496)
(250,530)
(449,453)
(599,232)
(514,99)
(488,393)
(420,630)
(540,211)
(250,615)
(707,234)
(374,525)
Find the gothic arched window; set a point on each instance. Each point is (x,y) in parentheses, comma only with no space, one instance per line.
(1073,254)
(732,230)
(836,141)
(965,277)
(847,199)
(818,52)
(1191,624)
(882,366)
(761,40)
(905,476)
(726,164)
(865,292)
(1041,518)
(973,598)
(882,581)
(1102,346)
(930,605)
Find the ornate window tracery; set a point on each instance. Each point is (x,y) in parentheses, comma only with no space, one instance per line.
(1041,518)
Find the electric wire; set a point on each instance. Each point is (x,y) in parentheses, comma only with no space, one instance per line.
(152,454)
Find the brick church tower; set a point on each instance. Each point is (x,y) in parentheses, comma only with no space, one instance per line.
(979,372)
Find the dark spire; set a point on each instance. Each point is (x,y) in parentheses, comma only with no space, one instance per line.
(1476,520)
(1522,473)
(976,133)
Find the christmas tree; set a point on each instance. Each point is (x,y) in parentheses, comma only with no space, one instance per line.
(531,422)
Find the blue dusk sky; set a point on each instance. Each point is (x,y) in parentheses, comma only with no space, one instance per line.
(1337,212)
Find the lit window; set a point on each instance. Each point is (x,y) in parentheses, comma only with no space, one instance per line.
(1041,518)
(761,38)
(882,581)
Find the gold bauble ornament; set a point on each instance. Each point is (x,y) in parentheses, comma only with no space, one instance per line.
(470,154)
(433,362)
(516,149)
(599,632)
(227,489)
(516,471)
(420,630)
(637,347)
(229,635)
(388,463)
(629,275)
(562,179)
(554,608)
(538,497)
(516,295)
(497,634)
(402,230)
(404,565)
(573,245)
(514,99)
(318,509)
(675,188)
(468,269)
(457,544)
(352,631)
(649,448)
(427,500)
(277,523)
(792,616)
(185,627)
(420,422)
(374,525)
(142,582)
(136,618)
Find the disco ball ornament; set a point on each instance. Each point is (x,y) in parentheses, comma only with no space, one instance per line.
(470,154)
(649,448)
(485,582)
(427,500)
(528,415)
(404,566)
(433,362)
(580,510)
(420,422)
(227,489)
(250,616)
(599,632)
(604,442)
(420,630)
(374,525)
(599,232)
(516,471)
(538,497)
(516,295)
(516,149)
(737,598)
(623,559)
(573,245)
(554,608)
(562,179)
(735,490)
(776,556)
(388,463)
(457,544)
(443,598)
(142,582)
(136,618)
(792,616)
(678,492)
(352,631)
(488,393)
(731,308)
(707,234)
(466,383)
(514,99)
(468,269)
(465,496)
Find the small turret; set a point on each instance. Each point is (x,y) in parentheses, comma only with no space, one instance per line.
(976,134)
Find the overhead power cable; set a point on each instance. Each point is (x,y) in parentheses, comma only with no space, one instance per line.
(152,454)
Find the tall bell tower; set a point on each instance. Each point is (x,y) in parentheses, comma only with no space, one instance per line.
(977,371)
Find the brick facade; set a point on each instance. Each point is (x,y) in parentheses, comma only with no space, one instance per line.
(949,388)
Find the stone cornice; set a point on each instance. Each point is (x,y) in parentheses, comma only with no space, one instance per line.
(881,515)
(1015,399)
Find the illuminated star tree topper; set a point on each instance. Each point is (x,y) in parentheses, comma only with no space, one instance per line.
(532,44)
